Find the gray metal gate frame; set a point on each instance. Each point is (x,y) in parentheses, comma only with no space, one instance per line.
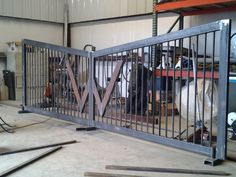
(218,152)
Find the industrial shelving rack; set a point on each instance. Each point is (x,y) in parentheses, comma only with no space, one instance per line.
(191,7)
(188,8)
(185,8)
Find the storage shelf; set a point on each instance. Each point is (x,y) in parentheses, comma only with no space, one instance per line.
(177,73)
(196,7)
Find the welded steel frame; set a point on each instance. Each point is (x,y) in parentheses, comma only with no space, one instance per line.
(219,152)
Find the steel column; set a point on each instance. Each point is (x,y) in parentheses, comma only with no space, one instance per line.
(91,87)
(221,147)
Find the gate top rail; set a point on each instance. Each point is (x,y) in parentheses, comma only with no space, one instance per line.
(197,30)
(56,48)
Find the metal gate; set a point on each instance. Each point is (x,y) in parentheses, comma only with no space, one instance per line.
(177,98)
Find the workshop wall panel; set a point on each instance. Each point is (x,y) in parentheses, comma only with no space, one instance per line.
(85,10)
(27,9)
(16,30)
(60,10)
(132,7)
(47,10)
(7,7)
(149,5)
(115,32)
(36,10)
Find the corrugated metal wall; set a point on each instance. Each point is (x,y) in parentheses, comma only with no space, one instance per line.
(46,10)
(80,10)
(84,10)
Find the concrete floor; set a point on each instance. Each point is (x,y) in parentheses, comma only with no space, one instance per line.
(94,150)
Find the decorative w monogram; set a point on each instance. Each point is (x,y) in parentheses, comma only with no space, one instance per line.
(101,104)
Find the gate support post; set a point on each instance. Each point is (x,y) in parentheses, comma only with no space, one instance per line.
(221,147)
(24,85)
(90,90)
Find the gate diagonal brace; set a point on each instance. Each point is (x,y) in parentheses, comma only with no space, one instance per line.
(101,103)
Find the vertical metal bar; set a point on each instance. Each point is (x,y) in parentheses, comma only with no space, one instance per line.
(136,87)
(70,100)
(116,101)
(44,75)
(98,82)
(212,87)
(160,91)
(126,86)
(40,78)
(35,75)
(65,77)
(31,77)
(204,88)
(103,81)
(106,83)
(188,80)
(81,61)
(112,93)
(180,86)
(71,92)
(67,87)
(131,89)
(49,76)
(149,80)
(173,92)
(142,85)
(24,75)
(167,88)
(54,77)
(58,80)
(121,90)
(196,105)
(74,107)
(153,60)
(27,79)
(154,87)
(79,114)
(91,88)
(221,146)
